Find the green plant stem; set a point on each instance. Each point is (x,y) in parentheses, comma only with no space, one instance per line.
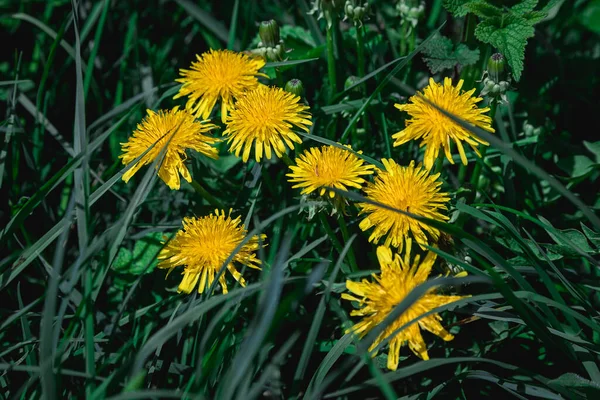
(439,162)
(346,237)
(413,40)
(403,30)
(360,53)
(279,76)
(334,240)
(331,68)
(287,160)
(434,14)
(361,70)
(462,173)
(478,166)
(205,195)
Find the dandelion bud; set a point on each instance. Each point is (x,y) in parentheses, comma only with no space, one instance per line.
(496,67)
(351,80)
(269,33)
(295,86)
(349,9)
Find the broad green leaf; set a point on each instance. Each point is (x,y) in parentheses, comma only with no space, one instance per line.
(483,9)
(509,35)
(580,385)
(524,7)
(590,16)
(576,166)
(457,7)
(594,237)
(593,147)
(440,53)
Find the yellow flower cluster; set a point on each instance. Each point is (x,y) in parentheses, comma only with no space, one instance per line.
(265,120)
(397,200)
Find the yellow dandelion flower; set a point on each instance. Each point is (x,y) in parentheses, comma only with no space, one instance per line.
(435,129)
(328,166)
(398,277)
(218,75)
(266,117)
(203,246)
(409,189)
(176,129)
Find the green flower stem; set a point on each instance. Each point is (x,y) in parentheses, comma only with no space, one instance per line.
(334,240)
(360,53)
(205,195)
(434,13)
(477,169)
(462,173)
(403,30)
(331,70)
(439,162)
(346,237)
(279,77)
(287,160)
(361,70)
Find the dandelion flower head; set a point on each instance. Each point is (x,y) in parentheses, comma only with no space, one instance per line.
(435,129)
(264,119)
(218,75)
(177,130)
(328,166)
(376,299)
(203,246)
(409,189)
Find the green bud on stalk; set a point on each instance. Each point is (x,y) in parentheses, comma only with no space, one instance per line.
(269,33)
(295,86)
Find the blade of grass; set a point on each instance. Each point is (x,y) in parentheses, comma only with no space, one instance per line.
(89,73)
(275,64)
(233,26)
(319,314)
(214,26)
(267,306)
(11,122)
(49,31)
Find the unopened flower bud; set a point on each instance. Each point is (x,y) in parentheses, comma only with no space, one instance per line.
(269,33)
(350,81)
(295,86)
(496,67)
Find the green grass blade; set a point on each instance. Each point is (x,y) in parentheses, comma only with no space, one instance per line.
(319,314)
(216,27)
(89,73)
(231,44)
(288,63)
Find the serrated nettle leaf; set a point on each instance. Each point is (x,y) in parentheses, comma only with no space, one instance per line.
(575,382)
(457,7)
(509,35)
(483,9)
(524,7)
(440,53)
(594,237)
